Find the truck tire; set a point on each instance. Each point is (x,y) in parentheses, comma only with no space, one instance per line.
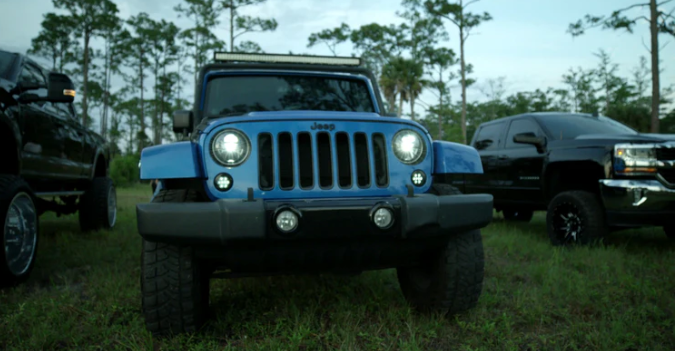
(98,205)
(575,217)
(670,231)
(20,228)
(451,280)
(174,284)
(517,215)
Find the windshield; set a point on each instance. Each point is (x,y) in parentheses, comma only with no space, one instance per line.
(242,94)
(570,127)
(6,60)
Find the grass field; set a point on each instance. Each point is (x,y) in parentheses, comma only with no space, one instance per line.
(84,294)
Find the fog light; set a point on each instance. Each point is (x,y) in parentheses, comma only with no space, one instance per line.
(383,218)
(223,182)
(418,178)
(287,221)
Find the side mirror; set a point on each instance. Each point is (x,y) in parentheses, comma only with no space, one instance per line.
(182,121)
(530,139)
(60,88)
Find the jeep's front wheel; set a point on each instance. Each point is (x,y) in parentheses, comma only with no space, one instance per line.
(449,281)
(20,225)
(575,217)
(174,283)
(98,205)
(175,289)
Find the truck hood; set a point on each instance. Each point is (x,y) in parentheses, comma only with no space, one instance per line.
(208,125)
(638,138)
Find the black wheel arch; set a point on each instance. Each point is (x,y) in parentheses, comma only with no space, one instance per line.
(10,139)
(572,175)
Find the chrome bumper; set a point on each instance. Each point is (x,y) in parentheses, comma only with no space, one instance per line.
(636,195)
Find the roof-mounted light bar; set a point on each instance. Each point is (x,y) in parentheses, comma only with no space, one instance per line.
(276,58)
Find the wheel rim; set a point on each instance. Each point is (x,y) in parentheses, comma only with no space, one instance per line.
(20,233)
(112,206)
(567,222)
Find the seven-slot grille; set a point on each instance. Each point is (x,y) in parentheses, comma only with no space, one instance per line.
(324,160)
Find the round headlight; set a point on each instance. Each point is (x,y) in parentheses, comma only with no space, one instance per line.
(230,147)
(408,147)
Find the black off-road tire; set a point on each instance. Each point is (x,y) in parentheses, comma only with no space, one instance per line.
(174,284)
(10,187)
(669,230)
(94,205)
(450,280)
(517,215)
(582,204)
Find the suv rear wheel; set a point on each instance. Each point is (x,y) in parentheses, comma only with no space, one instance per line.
(98,205)
(20,225)
(174,284)
(451,279)
(575,217)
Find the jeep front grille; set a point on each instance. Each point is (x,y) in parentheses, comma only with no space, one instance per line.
(339,160)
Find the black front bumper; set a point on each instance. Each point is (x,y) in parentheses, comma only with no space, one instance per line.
(228,220)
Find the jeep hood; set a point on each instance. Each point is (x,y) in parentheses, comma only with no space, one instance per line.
(208,124)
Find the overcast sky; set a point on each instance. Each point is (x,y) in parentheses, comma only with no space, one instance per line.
(526,42)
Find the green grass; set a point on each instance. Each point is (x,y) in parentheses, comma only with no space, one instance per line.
(84,294)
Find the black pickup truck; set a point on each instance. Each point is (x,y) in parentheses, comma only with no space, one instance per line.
(48,162)
(590,173)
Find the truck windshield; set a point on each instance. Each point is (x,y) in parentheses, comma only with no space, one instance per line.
(570,127)
(6,60)
(236,95)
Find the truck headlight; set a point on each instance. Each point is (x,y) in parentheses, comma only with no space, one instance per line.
(230,147)
(635,159)
(408,147)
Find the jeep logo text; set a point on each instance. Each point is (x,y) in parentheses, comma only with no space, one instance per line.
(329,127)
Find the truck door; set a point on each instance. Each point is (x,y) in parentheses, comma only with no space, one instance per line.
(41,148)
(71,138)
(489,142)
(523,165)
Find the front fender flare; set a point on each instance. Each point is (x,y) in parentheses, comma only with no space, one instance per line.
(171,161)
(454,158)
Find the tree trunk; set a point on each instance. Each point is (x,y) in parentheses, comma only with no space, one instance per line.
(440,116)
(400,105)
(141,132)
(156,132)
(231,26)
(412,107)
(85,76)
(653,27)
(104,117)
(463,69)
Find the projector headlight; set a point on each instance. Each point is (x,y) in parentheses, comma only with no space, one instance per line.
(230,147)
(635,159)
(408,147)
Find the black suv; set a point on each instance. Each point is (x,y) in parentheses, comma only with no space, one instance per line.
(591,173)
(50,162)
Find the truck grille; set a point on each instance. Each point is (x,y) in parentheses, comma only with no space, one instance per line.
(668,175)
(665,153)
(323,160)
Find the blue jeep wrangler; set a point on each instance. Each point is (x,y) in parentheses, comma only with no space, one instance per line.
(291,166)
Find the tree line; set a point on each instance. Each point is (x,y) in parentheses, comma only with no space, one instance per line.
(156,60)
